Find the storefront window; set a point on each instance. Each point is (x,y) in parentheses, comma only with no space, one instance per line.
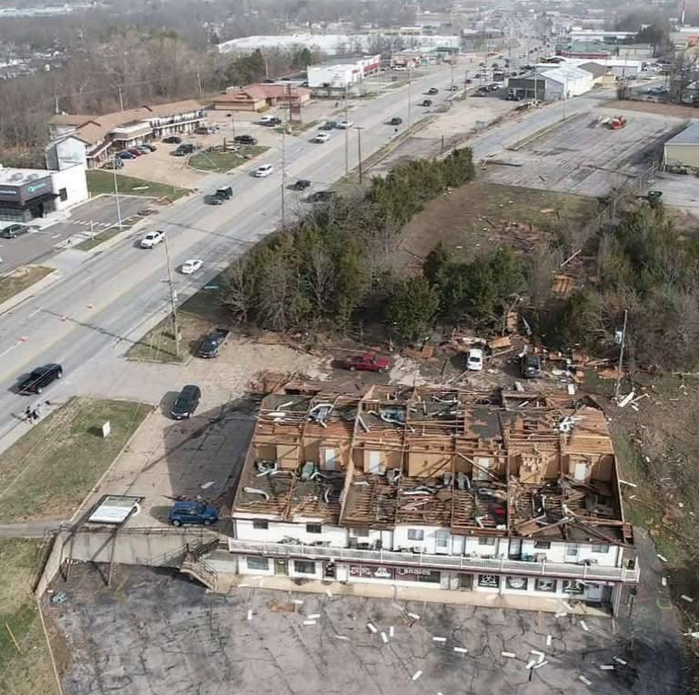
(545,585)
(517,583)
(305,566)
(570,586)
(490,581)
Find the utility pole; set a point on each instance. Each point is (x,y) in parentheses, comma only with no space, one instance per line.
(199,85)
(453,65)
(173,300)
(121,98)
(116,191)
(621,355)
(283,179)
(359,130)
(346,131)
(410,92)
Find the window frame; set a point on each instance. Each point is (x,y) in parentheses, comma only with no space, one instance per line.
(596,546)
(416,534)
(260,524)
(307,562)
(311,528)
(542,545)
(487,541)
(257,558)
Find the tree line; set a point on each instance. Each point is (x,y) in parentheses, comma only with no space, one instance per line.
(332,268)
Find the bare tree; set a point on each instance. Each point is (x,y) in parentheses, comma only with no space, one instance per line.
(321,278)
(238,291)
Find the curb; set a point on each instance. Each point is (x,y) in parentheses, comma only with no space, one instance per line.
(30,291)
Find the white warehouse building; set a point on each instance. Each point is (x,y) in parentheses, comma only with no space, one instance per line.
(566,81)
(502,493)
(342,75)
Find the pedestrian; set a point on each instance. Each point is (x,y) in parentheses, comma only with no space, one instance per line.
(35,415)
(28,414)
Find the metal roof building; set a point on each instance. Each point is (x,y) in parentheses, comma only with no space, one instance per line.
(683,149)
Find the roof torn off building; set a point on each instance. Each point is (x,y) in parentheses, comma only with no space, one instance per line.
(476,462)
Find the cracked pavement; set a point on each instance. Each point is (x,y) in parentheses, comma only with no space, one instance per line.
(155,632)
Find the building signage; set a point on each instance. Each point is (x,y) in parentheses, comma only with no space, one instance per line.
(399,574)
(25,192)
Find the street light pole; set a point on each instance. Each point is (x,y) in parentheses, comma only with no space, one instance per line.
(116,192)
(346,131)
(173,300)
(283,180)
(359,129)
(410,92)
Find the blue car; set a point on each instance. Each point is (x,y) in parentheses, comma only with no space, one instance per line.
(192,513)
(126,155)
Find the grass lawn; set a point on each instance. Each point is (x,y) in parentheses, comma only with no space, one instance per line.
(100,238)
(198,315)
(103,182)
(478,216)
(19,280)
(48,472)
(28,671)
(225,161)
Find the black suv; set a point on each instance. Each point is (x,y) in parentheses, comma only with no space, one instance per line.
(245,140)
(172,140)
(14,230)
(186,403)
(301,185)
(396,120)
(40,378)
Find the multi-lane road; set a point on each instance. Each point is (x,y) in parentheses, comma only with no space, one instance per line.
(102,302)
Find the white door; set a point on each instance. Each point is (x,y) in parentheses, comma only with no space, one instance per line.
(329,456)
(580,472)
(375,462)
(442,542)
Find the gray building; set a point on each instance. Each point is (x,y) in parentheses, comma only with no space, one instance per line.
(683,149)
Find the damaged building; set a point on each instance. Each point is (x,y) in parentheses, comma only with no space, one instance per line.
(495,492)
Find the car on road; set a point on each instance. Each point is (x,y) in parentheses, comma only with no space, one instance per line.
(321,137)
(152,239)
(191,512)
(191,266)
(245,140)
(220,196)
(184,150)
(530,366)
(432,90)
(329,125)
(126,155)
(39,379)
(14,230)
(263,171)
(301,185)
(186,403)
(396,120)
(453,88)
(172,140)
(344,125)
(368,362)
(474,360)
(114,164)
(322,197)
(270,121)
(468,80)
(426,102)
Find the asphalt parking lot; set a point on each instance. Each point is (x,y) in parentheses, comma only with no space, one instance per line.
(579,156)
(94,215)
(157,633)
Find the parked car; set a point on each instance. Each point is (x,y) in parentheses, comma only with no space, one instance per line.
(143,149)
(328,125)
(368,362)
(14,230)
(513,97)
(474,360)
(426,102)
(186,402)
(135,151)
(152,239)
(468,80)
(301,185)
(172,140)
(114,164)
(344,125)
(263,171)
(321,137)
(213,342)
(149,147)
(39,379)
(191,266)
(530,366)
(220,196)
(432,90)
(183,150)
(322,197)
(453,88)
(245,140)
(126,155)
(270,121)
(187,512)
(396,120)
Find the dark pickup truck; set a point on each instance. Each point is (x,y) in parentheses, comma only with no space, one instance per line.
(212,344)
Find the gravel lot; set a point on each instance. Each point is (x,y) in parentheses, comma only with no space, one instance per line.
(155,633)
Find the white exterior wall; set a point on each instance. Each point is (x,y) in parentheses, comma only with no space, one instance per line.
(66,153)
(276,532)
(74,181)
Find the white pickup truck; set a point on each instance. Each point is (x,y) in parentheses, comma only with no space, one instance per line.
(152,239)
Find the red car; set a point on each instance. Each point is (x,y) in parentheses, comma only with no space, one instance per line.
(368,362)
(135,152)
